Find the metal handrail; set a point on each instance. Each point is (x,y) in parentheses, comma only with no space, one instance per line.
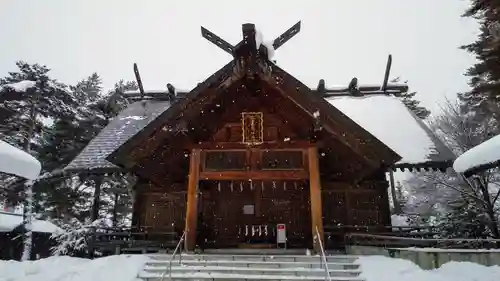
(323,257)
(177,248)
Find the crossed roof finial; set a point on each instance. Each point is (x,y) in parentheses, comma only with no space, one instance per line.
(249,31)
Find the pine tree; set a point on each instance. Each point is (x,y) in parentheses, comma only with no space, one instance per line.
(68,136)
(53,100)
(45,99)
(484,76)
(465,219)
(80,197)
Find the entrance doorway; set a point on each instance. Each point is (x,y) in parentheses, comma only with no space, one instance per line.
(245,213)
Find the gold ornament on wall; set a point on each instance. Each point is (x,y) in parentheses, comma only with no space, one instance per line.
(252,127)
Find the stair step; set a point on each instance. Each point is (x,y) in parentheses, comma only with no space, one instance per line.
(267,252)
(254,271)
(279,258)
(269,264)
(223,276)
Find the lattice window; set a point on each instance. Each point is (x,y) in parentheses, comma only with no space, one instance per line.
(225,160)
(282,160)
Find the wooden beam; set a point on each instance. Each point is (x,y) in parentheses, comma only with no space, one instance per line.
(293,144)
(192,200)
(255,175)
(315,190)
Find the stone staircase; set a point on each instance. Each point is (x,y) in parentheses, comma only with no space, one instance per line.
(250,267)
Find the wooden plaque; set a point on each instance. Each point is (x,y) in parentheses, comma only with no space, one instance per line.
(253,127)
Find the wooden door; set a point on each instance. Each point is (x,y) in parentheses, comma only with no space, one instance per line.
(245,212)
(288,202)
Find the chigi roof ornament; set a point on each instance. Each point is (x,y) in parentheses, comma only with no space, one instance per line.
(251,37)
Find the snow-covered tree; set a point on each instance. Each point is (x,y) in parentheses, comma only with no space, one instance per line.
(451,193)
(77,235)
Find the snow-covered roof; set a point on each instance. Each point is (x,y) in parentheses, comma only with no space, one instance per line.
(483,156)
(21,86)
(17,162)
(10,221)
(390,121)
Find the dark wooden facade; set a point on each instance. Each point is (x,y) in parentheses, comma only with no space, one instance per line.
(252,147)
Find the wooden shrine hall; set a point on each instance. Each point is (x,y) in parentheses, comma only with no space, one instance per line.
(252,147)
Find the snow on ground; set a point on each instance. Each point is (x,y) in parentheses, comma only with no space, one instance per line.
(62,268)
(127,268)
(485,153)
(17,162)
(380,268)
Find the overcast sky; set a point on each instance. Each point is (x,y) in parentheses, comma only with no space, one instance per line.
(339,39)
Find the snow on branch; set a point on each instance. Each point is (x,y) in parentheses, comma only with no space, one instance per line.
(75,237)
(21,86)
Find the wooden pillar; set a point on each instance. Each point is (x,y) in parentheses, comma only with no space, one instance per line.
(397,207)
(192,200)
(315,190)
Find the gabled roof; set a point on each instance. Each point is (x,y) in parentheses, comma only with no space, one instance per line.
(385,117)
(331,119)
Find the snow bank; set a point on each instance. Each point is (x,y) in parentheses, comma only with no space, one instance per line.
(17,162)
(379,268)
(485,153)
(21,86)
(9,221)
(399,220)
(121,267)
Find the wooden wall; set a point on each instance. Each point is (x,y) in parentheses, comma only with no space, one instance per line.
(160,208)
(362,207)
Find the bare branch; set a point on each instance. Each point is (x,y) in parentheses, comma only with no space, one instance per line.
(496,197)
(461,191)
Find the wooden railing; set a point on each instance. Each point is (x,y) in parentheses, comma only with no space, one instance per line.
(114,240)
(364,239)
(335,236)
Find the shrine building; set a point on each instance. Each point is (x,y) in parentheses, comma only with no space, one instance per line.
(252,147)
